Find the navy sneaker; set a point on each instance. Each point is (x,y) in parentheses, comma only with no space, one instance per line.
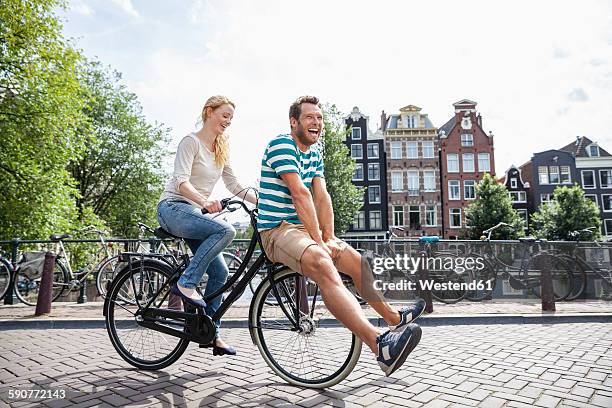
(394,347)
(193,302)
(409,314)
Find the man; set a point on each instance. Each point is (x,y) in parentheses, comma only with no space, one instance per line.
(296,228)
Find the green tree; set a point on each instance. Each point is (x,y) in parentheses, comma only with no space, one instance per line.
(492,206)
(40,113)
(120,176)
(339,167)
(569,211)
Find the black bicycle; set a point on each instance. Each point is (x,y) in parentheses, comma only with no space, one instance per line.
(295,334)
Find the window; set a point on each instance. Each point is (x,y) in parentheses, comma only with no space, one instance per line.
(467,140)
(455,217)
(429,180)
(375,220)
(593,150)
(513,183)
(397,181)
(546,198)
(356,133)
(414,214)
(398,215)
(523,214)
(543,173)
(453,190)
(606,202)
(566,178)
(591,197)
(430,216)
(452,163)
(469,190)
(588,178)
(554,175)
(373,171)
(412,150)
(518,196)
(358,174)
(359,221)
(373,151)
(608,226)
(374,194)
(396,150)
(413,182)
(484,164)
(605,178)
(428,149)
(357,151)
(468,162)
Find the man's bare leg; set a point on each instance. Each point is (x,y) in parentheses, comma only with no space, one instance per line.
(317,265)
(349,263)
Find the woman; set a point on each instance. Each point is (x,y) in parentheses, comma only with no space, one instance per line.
(202,158)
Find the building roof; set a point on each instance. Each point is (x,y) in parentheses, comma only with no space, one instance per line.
(392,124)
(578,147)
(448,126)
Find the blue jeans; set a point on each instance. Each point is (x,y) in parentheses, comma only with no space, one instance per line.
(206,238)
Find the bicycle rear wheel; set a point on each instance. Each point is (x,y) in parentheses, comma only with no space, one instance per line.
(106,273)
(142,347)
(449,279)
(560,272)
(579,278)
(5,277)
(27,285)
(314,352)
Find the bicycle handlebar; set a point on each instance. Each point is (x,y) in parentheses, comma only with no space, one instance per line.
(145,227)
(493,228)
(576,233)
(226,204)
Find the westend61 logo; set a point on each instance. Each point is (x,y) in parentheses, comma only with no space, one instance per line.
(445,272)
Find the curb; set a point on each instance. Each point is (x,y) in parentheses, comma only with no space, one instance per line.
(427,321)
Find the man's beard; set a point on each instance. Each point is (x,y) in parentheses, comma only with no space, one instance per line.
(303,136)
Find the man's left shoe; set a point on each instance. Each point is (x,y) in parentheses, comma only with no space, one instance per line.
(409,314)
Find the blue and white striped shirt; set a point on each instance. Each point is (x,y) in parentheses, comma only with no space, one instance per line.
(283,156)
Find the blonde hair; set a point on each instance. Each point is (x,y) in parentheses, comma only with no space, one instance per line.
(221,145)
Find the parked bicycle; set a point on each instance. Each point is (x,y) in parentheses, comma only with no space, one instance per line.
(6,269)
(527,275)
(291,333)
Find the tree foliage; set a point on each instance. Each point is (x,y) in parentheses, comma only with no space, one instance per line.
(492,206)
(339,167)
(569,211)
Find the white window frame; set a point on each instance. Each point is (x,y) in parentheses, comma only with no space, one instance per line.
(360,149)
(413,188)
(395,147)
(465,189)
(396,212)
(433,180)
(358,166)
(513,182)
(379,226)
(596,201)
(554,170)
(374,178)
(356,135)
(426,146)
(359,216)
(590,152)
(548,200)
(373,188)
(435,215)
(450,189)
(412,147)
(594,179)
(394,177)
(450,218)
(410,212)
(467,141)
(377,151)
(472,169)
(601,184)
(569,174)
(540,174)
(519,194)
(608,231)
(525,215)
(481,160)
(455,169)
(603,203)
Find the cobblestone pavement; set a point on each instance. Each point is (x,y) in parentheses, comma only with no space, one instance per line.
(240,309)
(559,365)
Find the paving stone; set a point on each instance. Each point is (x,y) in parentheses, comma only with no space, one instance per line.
(547,401)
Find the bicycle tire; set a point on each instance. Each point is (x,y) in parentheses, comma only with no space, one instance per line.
(27,289)
(106,273)
(488,278)
(5,277)
(452,275)
(325,372)
(580,278)
(561,274)
(120,289)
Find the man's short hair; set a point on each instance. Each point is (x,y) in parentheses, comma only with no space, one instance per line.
(295,110)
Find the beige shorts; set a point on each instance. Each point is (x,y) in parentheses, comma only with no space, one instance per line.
(287,243)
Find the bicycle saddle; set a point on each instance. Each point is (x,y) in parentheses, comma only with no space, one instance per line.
(163,234)
(58,237)
(431,239)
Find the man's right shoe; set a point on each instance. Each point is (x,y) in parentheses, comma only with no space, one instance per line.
(193,302)
(394,347)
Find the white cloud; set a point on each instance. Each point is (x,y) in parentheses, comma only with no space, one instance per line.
(127,7)
(79,7)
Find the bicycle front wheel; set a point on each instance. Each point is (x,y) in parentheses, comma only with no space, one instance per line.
(106,273)
(140,346)
(297,336)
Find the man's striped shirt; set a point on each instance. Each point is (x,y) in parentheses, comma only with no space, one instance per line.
(283,156)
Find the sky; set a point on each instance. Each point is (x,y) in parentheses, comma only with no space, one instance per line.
(540,71)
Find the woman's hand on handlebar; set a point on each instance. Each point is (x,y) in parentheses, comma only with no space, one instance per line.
(211,206)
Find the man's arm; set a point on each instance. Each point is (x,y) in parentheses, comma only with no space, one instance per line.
(323,205)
